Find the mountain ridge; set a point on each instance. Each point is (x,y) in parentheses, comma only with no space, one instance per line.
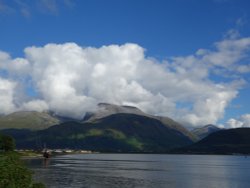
(114,133)
(204,131)
(28,120)
(227,141)
(106,109)
(110,128)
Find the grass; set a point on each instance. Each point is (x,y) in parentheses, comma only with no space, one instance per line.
(135,143)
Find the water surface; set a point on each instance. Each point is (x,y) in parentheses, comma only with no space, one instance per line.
(143,170)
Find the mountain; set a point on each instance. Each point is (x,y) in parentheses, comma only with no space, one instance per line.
(222,142)
(105,110)
(28,120)
(41,120)
(114,133)
(203,132)
(111,128)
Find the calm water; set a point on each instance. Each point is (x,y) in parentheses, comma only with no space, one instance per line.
(143,170)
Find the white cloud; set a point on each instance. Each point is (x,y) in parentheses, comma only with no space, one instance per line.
(242,121)
(232,34)
(243,68)
(35,105)
(7,96)
(229,52)
(71,80)
(14,67)
(209,109)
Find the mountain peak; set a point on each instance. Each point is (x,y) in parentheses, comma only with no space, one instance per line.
(206,130)
(118,107)
(106,109)
(28,120)
(211,126)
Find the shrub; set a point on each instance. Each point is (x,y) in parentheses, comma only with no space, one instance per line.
(7,143)
(13,173)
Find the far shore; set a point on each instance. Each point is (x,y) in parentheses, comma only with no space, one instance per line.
(31,154)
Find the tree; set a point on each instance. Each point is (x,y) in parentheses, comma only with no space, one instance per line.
(13,173)
(7,143)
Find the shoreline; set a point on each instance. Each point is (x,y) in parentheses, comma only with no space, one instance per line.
(40,156)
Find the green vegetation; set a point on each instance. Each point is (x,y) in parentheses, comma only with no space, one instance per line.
(121,129)
(13,173)
(228,141)
(28,120)
(135,143)
(98,132)
(94,132)
(114,133)
(7,143)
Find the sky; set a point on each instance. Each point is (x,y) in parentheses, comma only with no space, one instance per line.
(185,59)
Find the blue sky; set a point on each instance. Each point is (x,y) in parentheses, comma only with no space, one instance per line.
(165,29)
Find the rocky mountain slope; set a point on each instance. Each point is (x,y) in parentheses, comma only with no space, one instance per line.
(204,131)
(28,120)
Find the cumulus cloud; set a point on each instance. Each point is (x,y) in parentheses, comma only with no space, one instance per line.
(71,80)
(7,89)
(35,105)
(242,121)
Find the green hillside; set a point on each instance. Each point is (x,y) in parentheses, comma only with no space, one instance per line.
(223,142)
(28,120)
(115,133)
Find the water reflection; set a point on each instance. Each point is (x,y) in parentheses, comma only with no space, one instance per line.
(135,170)
(46,162)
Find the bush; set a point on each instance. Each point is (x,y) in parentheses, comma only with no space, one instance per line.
(7,143)
(13,173)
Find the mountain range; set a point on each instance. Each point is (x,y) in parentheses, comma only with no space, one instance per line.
(113,128)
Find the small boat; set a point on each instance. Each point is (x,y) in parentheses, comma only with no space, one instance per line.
(46,154)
